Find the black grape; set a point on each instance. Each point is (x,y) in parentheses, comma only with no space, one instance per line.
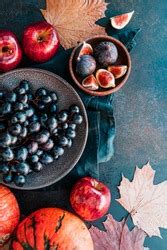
(32,131)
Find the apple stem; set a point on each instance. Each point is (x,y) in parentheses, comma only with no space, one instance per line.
(40,39)
(6,49)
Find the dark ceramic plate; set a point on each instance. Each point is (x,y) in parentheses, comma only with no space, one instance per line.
(67,96)
(123,59)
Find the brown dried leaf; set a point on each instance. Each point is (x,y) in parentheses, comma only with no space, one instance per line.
(117,236)
(146,202)
(75,19)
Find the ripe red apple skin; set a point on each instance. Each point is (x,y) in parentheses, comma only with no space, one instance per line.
(90,198)
(10,51)
(40,41)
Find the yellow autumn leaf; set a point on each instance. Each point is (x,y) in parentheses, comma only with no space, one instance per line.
(75,19)
(146,202)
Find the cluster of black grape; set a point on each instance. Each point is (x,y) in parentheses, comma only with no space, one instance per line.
(32,131)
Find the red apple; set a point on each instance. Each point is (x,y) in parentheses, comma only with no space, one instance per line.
(90,198)
(10,51)
(40,41)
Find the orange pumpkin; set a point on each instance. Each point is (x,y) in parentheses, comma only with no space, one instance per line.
(9,214)
(54,229)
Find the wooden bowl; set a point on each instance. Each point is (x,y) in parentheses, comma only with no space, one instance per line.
(123,59)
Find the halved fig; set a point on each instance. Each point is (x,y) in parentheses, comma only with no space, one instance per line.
(86,49)
(105,78)
(118,71)
(90,82)
(119,22)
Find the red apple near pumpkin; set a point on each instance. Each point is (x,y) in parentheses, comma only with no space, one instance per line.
(10,51)
(90,198)
(40,41)
(9,214)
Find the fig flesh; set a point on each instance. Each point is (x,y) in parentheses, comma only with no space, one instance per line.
(105,78)
(106,53)
(118,71)
(86,49)
(86,65)
(119,22)
(90,82)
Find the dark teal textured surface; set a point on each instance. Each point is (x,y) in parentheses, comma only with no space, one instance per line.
(140,112)
(99,147)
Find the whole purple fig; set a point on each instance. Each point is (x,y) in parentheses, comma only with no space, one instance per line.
(86,65)
(106,53)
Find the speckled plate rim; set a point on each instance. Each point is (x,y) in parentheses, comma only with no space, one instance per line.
(85,117)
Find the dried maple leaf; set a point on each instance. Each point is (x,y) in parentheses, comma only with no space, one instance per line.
(117,236)
(146,202)
(75,19)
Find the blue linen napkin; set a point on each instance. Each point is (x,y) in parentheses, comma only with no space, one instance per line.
(14,16)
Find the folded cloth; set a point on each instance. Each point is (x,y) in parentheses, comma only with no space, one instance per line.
(99,146)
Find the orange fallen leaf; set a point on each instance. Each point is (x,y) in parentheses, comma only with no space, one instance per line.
(75,19)
(117,236)
(146,202)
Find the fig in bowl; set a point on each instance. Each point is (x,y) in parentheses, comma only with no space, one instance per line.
(90,82)
(86,49)
(118,70)
(106,53)
(100,65)
(86,65)
(105,78)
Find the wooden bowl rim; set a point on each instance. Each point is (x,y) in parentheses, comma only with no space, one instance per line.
(112,90)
